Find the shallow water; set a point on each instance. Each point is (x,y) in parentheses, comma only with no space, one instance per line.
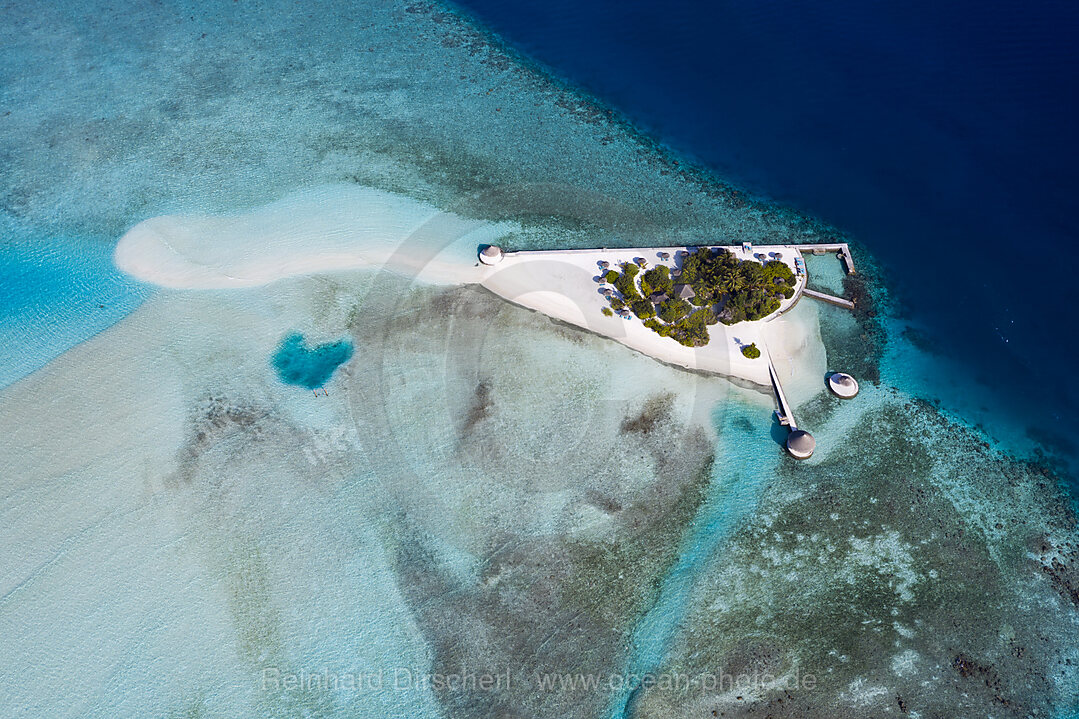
(57,292)
(746,462)
(826,272)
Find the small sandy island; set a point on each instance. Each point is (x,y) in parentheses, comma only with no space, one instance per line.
(566,285)
(347,227)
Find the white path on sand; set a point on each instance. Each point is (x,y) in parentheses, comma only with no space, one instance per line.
(348,227)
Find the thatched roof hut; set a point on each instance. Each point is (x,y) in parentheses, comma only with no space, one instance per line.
(684,291)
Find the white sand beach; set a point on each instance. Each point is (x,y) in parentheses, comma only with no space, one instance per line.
(324,229)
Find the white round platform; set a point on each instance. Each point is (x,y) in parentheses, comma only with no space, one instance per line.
(843,385)
(801,444)
(491,255)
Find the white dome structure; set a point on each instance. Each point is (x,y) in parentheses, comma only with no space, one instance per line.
(801,444)
(491,255)
(843,385)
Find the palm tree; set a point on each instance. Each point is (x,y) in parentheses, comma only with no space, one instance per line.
(731,282)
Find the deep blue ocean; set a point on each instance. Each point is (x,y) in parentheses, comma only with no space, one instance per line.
(941,136)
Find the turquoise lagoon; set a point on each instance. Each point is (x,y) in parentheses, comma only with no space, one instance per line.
(311,367)
(487,490)
(58,291)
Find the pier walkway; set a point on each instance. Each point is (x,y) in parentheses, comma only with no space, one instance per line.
(832,299)
(784,413)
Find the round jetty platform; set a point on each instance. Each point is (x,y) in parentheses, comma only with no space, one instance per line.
(491,255)
(801,444)
(843,385)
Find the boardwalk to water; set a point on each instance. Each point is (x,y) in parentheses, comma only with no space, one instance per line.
(786,416)
(832,299)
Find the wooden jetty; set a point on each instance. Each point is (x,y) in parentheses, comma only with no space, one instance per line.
(784,413)
(831,299)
